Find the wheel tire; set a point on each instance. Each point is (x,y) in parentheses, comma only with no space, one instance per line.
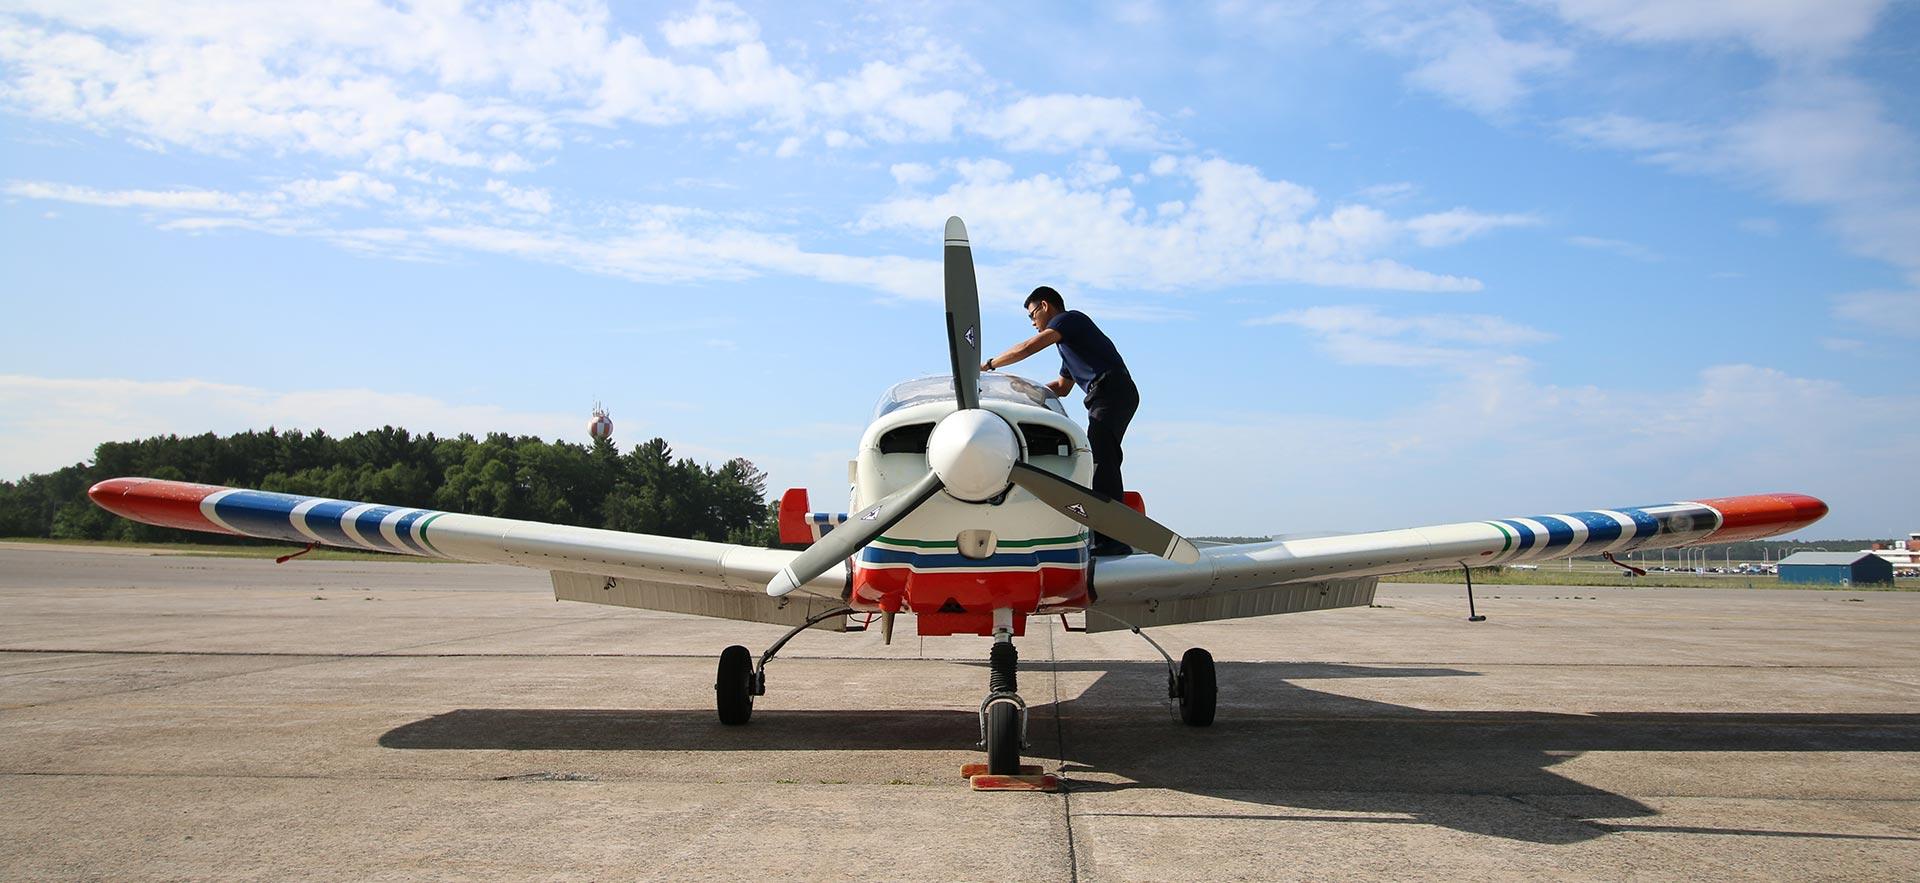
(1003,739)
(1198,690)
(733,689)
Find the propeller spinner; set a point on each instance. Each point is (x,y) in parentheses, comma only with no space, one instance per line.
(974,455)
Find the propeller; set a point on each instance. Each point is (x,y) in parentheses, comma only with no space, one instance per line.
(973,455)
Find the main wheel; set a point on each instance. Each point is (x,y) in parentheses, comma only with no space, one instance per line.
(1198,691)
(733,689)
(1003,739)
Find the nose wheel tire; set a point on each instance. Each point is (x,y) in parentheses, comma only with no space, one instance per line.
(733,688)
(1003,739)
(1198,690)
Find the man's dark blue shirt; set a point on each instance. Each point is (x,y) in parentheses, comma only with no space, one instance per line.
(1085,351)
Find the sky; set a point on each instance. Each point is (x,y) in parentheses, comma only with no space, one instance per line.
(1372,265)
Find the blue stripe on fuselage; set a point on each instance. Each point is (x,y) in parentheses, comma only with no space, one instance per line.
(1067,557)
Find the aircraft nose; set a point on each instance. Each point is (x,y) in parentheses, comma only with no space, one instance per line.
(973,452)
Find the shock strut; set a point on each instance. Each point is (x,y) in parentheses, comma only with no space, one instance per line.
(1003,666)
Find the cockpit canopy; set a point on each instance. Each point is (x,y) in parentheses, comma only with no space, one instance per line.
(993,386)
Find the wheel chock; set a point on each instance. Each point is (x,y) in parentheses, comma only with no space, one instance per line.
(987,782)
(1030,778)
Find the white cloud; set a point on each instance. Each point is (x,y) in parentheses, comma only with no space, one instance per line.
(1458,225)
(712,23)
(486,87)
(1460,342)
(1819,139)
(1236,227)
(1465,59)
(527,199)
(1060,123)
(1781,28)
(193,199)
(1891,312)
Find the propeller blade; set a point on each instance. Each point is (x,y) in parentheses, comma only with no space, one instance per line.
(1104,515)
(852,536)
(963,316)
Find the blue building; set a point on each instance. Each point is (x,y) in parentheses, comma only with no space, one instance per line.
(1835,569)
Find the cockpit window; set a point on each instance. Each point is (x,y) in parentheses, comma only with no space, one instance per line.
(939,388)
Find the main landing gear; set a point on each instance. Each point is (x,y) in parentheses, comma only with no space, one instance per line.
(740,678)
(1190,684)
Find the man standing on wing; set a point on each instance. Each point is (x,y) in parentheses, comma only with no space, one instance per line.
(1089,360)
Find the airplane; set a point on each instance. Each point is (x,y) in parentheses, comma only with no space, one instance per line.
(970,511)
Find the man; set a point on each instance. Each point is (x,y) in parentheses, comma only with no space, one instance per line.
(1088,360)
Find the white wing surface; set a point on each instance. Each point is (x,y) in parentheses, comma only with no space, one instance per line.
(589,564)
(1339,571)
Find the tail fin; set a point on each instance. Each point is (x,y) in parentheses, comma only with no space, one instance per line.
(801,527)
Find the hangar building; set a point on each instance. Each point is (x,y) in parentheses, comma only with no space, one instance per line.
(1835,569)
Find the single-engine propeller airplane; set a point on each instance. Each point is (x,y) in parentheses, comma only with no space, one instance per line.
(970,510)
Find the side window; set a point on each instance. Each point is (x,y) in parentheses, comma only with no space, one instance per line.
(910,439)
(1046,441)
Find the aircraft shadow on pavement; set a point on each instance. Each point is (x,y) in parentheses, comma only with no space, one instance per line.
(1274,742)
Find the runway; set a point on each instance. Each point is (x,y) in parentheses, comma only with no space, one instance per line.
(186,717)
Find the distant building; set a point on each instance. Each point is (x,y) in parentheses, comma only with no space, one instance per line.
(1905,553)
(1835,569)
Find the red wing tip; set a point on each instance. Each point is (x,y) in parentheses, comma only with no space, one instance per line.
(113,487)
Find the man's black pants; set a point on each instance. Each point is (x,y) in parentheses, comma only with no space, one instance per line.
(1111,401)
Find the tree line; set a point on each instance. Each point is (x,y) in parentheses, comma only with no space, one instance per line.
(644,490)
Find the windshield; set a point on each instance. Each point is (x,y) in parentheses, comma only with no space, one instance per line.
(939,388)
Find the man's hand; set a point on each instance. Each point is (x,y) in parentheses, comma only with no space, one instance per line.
(986,365)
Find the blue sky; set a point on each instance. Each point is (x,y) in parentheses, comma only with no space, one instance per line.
(1373,265)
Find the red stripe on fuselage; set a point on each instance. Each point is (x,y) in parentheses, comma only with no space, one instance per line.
(933,595)
(158,502)
(1762,515)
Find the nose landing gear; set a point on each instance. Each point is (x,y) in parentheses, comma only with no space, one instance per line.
(1003,722)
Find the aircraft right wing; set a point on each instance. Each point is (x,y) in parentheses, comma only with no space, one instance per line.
(1287,576)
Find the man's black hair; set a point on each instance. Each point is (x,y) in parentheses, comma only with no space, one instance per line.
(1045,294)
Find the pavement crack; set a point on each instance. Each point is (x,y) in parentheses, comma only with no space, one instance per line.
(1060,745)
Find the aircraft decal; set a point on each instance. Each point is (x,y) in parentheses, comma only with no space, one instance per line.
(887,553)
(1603,530)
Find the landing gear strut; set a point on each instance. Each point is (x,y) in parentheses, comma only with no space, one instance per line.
(740,679)
(1003,722)
(1003,714)
(1191,683)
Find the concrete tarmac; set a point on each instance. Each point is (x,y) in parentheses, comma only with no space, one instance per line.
(168,717)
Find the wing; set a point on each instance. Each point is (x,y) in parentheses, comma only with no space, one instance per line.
(588,564)
(1287,576)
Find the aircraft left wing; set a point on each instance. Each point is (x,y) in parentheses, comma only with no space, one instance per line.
(1286,576)
(587,564)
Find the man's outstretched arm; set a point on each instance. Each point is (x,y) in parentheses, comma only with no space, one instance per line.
(1022,350)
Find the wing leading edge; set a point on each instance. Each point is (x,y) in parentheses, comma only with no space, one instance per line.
(1329,571)
(642,558)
